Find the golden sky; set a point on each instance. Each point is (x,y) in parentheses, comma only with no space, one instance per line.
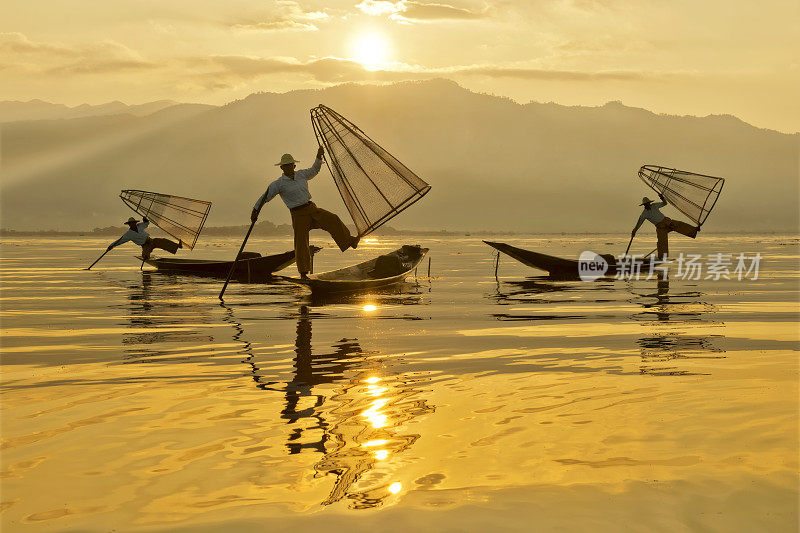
(679,56)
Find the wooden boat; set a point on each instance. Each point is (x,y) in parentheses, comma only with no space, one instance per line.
(382,271)
(251,266)
(556,267)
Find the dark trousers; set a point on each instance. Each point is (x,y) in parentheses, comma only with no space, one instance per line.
(312,217)
(164,244)
(662,231)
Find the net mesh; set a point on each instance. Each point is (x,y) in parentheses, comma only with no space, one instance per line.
(374,185)
(180,217)
(692,194)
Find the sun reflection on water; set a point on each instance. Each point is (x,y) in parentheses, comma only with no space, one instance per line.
(355,426)
(379,442)
(374,415)
(380,455)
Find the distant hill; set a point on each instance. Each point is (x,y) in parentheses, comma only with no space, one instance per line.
(11,111)
(493,164)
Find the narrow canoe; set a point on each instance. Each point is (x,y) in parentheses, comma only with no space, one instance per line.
(248,267)
(556,267)
(382,271)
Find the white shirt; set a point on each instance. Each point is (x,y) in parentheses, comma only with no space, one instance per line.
(653,214)
(294,190)
(139,236)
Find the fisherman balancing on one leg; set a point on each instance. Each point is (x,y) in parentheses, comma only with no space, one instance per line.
(139,236)
(663,224)
(293,188)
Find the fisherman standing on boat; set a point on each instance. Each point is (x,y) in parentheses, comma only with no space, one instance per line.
(139,236)
(663,224)
(293,188)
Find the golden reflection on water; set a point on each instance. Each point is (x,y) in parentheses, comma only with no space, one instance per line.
(356,425)
(148,405)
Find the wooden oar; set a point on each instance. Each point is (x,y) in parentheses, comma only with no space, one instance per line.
(98,259)
(629,244)
(233,267)
(648,255)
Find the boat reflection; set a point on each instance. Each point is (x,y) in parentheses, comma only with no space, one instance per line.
(406,293)
(676,325)
(543,290)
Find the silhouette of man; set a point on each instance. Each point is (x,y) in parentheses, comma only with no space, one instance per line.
(292,186)
(139,236)
(663,224)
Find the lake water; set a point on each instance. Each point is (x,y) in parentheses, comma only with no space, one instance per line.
(134,401)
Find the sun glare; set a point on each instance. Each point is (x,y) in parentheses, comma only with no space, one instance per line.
(371,49)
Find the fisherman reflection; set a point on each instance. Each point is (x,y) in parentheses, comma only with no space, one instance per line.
(330,368)
(154,309)
(355,427)
(662,297)
(140,303)
(669,347)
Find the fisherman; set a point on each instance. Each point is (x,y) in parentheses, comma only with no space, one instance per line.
(663,224)
(293,188)
(139,236)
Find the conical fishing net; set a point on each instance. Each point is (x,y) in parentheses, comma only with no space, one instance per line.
(692,194)
(374,185)
(183,218)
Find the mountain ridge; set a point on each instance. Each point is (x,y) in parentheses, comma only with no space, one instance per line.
(37,109)
(493,163)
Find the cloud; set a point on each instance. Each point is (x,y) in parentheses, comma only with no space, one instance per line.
(56,59)
(96,65)
(553,75)
(380,7)
(223,72)
(421,11)
(275,25)
(18,44)
(289,15)
(412,11)
(219,72)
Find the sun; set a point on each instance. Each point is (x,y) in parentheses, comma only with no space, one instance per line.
(371,49)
